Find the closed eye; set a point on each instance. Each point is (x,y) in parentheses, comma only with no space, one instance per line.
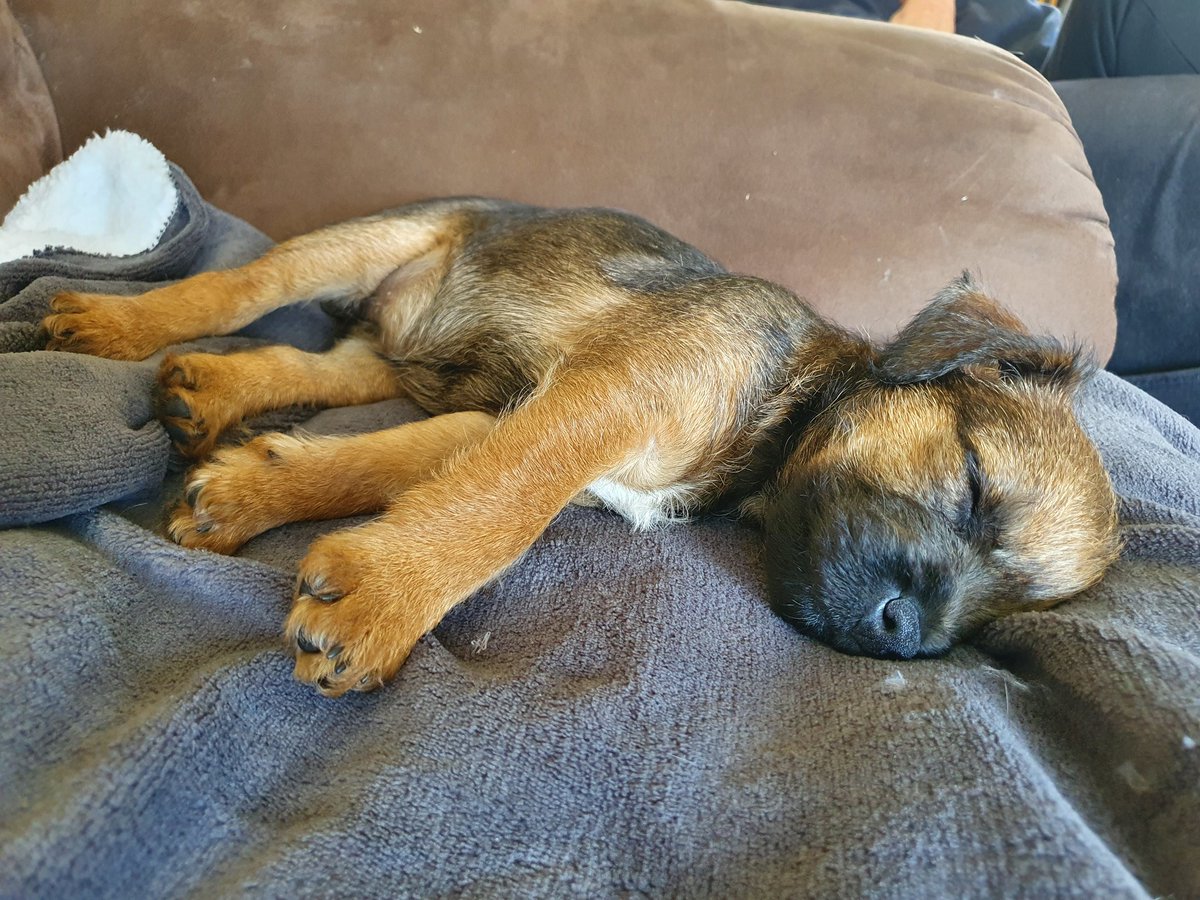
(970,520)
(974,481)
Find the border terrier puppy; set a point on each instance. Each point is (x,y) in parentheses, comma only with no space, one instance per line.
(907,493)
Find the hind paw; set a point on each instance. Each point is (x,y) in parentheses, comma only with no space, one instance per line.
(197,400)
(101,325)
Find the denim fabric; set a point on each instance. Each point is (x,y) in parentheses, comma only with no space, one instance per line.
(1142,139)
(1120,38)
(1025,27)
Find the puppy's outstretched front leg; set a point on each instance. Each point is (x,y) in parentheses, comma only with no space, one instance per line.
(202,395)
(366,595)
(350,259)
(279,478)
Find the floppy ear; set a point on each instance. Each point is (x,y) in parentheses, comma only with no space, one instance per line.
(962,327)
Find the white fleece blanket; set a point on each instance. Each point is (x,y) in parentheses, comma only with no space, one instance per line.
(113,197)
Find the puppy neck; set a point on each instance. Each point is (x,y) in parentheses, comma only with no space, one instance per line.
(827,363)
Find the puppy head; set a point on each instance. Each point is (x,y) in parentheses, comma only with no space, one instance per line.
(947,485)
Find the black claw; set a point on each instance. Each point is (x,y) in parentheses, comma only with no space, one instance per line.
(178,435)
(175,406)
(308,590)
(192,493)
(334,651)
(323,682)
(340,667)
(303,642)
(204,527)
(177,376)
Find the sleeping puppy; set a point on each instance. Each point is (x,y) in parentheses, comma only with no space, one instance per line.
(907,493)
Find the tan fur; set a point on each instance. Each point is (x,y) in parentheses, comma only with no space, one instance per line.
(343,259)
(565,357)
(1061,509)
(220,391)
(274,479)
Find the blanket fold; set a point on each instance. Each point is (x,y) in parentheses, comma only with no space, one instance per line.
(101,442)
(620,714)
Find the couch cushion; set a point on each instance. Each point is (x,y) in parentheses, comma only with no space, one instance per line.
(862,165)
(29,143)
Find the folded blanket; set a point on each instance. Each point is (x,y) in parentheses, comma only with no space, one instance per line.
(78,431)
(621,713)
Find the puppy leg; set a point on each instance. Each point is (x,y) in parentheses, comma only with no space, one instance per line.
(366,595)
(351,259)
(202,395)
(279,478)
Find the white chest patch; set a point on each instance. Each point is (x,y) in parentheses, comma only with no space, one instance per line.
(644,509)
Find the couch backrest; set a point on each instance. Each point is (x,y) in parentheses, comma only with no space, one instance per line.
(862,165)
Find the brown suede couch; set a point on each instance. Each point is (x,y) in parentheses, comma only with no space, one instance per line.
(861,166)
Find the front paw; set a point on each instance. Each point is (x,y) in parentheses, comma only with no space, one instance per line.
(99,325)
(356,614)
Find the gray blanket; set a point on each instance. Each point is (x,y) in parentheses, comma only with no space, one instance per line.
(620,714)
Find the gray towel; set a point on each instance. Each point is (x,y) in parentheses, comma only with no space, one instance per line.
(620,714)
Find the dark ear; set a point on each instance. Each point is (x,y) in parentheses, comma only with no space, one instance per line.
(962,327)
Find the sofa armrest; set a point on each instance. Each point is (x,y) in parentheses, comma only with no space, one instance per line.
(29,139)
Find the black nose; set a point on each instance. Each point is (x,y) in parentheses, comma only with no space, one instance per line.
(893,628)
